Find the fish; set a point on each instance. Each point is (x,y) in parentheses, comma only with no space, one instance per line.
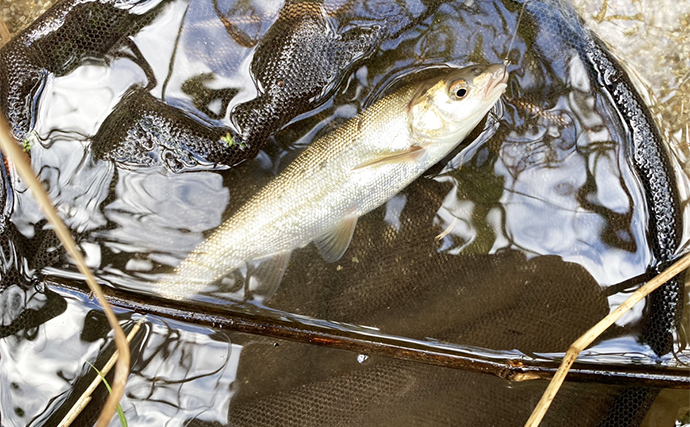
(340,177)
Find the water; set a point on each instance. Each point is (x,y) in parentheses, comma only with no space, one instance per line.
(638,32)
(540,219)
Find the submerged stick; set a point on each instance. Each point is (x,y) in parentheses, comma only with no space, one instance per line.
(588,338)
(511,366)
(85,398)
(11,149)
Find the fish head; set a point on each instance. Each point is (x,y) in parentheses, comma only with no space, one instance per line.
(447,107)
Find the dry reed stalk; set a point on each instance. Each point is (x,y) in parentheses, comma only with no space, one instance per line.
(4,32)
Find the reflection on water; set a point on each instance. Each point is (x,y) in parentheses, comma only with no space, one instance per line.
(563,165)
(177,374)
(651,39)
(33,368)
(510,244)
(182,374)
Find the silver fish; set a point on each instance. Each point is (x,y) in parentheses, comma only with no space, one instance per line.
(339,178)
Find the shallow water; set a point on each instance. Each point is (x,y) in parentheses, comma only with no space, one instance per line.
(557,185)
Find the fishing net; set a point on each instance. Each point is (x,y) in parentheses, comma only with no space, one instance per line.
(150,122)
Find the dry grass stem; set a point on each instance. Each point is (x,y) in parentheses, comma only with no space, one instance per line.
(4,32)
(585,340)
(11,149)
(86,396)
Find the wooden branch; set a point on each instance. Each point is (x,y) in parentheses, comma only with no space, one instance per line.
(508,365)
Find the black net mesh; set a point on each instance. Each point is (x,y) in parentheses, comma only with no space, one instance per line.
(148,132)
(301,35)
(518,242)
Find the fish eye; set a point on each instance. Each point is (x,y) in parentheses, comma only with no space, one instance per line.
(459,89)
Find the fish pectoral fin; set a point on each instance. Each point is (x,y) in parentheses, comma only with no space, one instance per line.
(333,244)
(412,154)
(265,274)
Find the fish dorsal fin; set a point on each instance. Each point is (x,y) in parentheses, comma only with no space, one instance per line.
(411,154)
(265,274)
(333,244)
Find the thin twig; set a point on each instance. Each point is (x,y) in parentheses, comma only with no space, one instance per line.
(11,149)
(86,396)
(585,340)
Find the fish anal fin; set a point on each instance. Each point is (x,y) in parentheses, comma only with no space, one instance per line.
(265,274)
(333,244)
(412,154)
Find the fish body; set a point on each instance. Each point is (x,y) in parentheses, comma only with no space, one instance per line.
(340,177)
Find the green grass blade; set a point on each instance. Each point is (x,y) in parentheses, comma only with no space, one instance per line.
(120,412)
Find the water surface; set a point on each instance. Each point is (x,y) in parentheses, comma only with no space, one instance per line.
(518,242)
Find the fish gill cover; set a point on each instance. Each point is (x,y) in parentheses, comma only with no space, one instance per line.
(151,122)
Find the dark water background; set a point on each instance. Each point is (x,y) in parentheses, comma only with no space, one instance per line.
(546,204)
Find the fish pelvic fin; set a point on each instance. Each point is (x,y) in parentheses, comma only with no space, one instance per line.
(265,274)
(333,244)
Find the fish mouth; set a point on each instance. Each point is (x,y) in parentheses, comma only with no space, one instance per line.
(498,82)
